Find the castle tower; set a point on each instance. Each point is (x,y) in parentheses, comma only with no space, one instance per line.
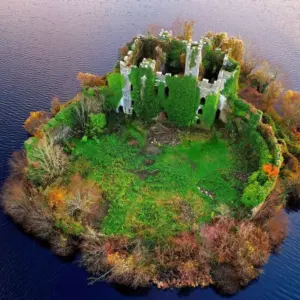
(193,59)
(126,101)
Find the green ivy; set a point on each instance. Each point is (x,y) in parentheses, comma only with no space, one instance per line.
(96,124)
(183,100)
(114,92)
(194,53)
(146,103)
(65,117)
(209,110)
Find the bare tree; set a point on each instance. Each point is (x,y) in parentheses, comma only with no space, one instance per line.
(272,93)
(249,62)
(82,196)
(264,75)
(49,158)
(26,206)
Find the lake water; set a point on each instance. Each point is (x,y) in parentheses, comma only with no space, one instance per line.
(45,43)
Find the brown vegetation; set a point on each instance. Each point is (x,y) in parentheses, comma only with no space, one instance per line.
(35,121)
(26,206)
(291,109)
(91,80)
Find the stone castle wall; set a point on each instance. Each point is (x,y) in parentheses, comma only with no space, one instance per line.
(206,88)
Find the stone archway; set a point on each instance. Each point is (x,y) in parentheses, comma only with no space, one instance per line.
(218,114)
(167,91)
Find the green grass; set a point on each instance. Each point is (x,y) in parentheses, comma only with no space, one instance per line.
(167,200)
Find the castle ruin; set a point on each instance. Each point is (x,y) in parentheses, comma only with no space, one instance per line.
(193,61)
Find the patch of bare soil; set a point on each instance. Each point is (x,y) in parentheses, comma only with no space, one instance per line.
(240,176)
(143,174)
(159,134)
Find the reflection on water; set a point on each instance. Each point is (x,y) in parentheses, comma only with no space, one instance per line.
(43,44)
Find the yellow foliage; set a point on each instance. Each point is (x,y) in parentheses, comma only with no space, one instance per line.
(188,30)
(57,197)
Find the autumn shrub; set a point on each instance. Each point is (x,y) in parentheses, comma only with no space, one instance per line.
(277,228)
(182,262)
(271,170)
(226,279)
(292,185)
(35,122)
(90,80)
(18,163)
(82,197)
(94,252)
(26,206)
(56,106)
(242,245)
(57,197)
(132,269)
(63,245)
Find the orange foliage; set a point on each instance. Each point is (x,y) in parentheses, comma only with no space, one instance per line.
(35,121)
(271,170)
(90,80)
(57,198)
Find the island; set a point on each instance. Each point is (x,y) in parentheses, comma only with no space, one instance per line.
(173,169)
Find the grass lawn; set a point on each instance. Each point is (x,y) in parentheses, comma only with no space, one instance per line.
(158,195)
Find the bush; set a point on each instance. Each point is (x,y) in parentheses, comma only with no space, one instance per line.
(69,226)
(96,124)
(26,206)
(90,80)
(33,125)
(46,160)
(182,262)
(65,117)
(240,247)
(277,228)
(63,245)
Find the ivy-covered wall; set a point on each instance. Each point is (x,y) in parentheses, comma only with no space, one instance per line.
(209,110)
(183,100)
(261,139)
(114,91)
(147,102)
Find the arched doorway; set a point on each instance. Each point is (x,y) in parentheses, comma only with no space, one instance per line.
(218,114)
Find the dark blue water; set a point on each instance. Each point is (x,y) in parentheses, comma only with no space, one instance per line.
(45,43)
